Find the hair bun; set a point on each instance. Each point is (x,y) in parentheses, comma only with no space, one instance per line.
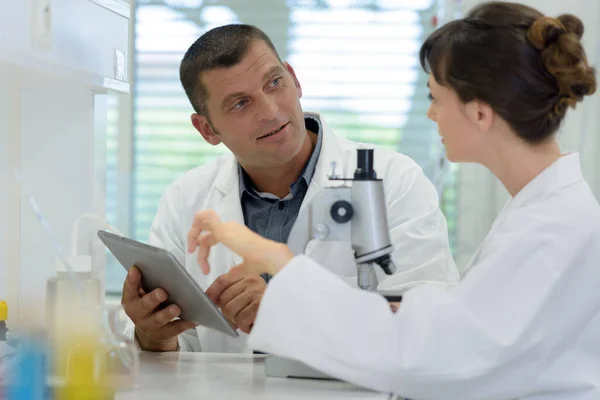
(544,31)
(572,24)
(559,43)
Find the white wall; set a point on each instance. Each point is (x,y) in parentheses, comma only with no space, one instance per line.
(4,168)
(481,196)
(57,161)
(9,195)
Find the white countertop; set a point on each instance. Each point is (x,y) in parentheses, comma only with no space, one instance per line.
(228,376)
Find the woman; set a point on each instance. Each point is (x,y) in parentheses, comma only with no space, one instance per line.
(525,320)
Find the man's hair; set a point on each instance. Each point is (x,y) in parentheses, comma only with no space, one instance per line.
(221,47)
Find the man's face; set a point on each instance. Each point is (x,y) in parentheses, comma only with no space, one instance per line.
(254,109)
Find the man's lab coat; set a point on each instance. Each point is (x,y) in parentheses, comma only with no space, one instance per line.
(418,229)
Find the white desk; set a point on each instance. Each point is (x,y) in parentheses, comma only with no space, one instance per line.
(228,376)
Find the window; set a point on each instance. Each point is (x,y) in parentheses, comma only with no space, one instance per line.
(356,60)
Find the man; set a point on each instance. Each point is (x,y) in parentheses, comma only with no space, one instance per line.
(245,97)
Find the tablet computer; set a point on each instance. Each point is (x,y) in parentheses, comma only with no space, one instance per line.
(160,269)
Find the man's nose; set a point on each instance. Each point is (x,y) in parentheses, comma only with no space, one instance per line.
(268,108)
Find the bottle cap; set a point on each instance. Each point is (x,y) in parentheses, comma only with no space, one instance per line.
(78,263)
(3,311)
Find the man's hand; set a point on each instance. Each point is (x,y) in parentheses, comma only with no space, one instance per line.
(239,296)
(154,326)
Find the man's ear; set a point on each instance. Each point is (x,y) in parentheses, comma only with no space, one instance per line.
(296,81)
(202,125)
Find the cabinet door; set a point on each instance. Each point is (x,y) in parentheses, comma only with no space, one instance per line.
(76,40)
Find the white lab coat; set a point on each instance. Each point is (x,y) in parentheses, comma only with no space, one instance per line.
(417,226)
(524,323)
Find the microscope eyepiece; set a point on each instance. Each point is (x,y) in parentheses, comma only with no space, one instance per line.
(364,165)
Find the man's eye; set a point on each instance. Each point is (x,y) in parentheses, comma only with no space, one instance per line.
(240,104)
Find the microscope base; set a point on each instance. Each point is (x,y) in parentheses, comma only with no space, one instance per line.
(279,367)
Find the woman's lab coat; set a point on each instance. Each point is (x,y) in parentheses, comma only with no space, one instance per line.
(523,324)
(418,228)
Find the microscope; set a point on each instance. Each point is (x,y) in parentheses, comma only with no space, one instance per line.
(357,214)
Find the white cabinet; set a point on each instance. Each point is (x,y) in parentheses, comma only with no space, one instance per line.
(58,58)
(80,41)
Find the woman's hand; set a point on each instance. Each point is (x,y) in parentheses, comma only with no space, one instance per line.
(260,255)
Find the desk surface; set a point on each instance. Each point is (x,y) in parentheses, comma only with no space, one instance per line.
(228,376)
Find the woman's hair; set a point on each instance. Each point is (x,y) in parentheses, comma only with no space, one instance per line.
(529,68)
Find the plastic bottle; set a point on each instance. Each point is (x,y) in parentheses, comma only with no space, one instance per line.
(28,377)
(65,308)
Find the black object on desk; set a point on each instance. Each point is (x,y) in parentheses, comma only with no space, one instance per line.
(393,299)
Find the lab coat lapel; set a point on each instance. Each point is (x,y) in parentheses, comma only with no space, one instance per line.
(229,207)
(330,152)
(563,172)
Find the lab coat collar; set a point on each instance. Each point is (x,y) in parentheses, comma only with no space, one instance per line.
(563,172)
(330,153)
(228,177)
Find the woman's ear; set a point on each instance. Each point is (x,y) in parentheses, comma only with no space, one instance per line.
(483,115)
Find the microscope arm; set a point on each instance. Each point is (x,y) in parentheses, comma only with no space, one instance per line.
(315,221)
